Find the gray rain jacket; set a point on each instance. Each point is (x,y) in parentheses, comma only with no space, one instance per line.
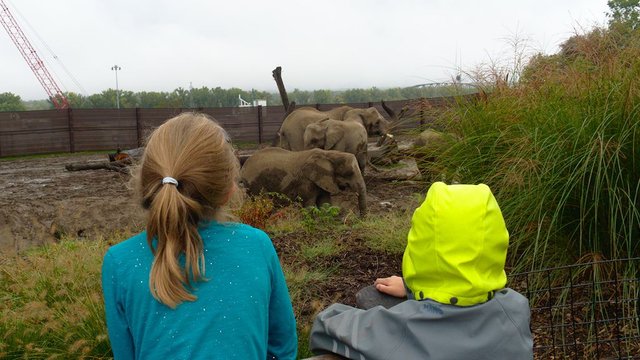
(496,329)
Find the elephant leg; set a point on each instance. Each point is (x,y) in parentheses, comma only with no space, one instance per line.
(309,201)
(323,197)
(362,161)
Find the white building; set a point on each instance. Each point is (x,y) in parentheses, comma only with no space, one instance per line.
(244,103)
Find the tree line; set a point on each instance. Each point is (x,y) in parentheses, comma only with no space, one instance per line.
(217,97)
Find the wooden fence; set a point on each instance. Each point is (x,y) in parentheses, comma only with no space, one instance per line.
(71,130)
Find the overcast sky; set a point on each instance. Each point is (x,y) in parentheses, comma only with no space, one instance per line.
(331,44)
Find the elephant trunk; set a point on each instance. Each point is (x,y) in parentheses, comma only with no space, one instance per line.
(361,190)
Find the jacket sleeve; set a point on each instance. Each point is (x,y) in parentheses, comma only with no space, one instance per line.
(283,339)
(118,329)
(356,333)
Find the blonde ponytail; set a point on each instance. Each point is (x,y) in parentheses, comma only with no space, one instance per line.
(194,150)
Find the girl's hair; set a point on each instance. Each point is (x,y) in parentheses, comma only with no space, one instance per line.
(193,149)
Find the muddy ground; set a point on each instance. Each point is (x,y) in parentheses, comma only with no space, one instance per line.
(40,201)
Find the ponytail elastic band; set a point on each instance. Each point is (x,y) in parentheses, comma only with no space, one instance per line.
(169,180)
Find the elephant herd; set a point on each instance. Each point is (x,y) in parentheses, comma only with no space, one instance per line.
(321,153)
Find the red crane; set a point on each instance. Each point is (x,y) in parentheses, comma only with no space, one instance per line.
(29,54)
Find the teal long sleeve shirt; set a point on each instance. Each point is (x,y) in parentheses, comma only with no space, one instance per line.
(243,310)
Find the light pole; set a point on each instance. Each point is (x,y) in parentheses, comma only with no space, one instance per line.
(116,68)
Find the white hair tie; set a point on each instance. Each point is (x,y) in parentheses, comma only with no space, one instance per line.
(169,180)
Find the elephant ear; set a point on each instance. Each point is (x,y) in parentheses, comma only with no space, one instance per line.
(319,169)
(333,135)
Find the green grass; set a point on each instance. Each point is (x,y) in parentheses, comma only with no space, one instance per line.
(326,247)
(51,303)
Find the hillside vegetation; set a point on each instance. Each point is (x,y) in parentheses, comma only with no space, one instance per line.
(560,148)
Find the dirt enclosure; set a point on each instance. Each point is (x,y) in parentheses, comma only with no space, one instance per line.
(40,201)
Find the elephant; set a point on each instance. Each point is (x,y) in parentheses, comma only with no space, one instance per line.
(292,129)
(312,175)
(347,136)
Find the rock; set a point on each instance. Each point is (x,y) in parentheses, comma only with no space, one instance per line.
(386,204)
(406,169)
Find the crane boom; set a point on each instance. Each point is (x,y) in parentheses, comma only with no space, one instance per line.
(36,64)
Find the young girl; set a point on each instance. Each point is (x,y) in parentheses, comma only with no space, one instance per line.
(192,286)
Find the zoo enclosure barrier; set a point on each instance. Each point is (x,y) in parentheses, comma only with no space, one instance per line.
(584,311)
(71,130)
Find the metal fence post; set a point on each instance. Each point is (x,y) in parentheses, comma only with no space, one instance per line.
(72,145)
(138,129)
(259,124)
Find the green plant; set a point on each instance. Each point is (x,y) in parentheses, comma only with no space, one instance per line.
(319,216)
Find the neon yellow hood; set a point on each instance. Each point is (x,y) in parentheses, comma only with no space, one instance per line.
(457,246)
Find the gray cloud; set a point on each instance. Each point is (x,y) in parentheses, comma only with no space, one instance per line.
(162,45)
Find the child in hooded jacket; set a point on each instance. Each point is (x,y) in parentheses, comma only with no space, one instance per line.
(194,286)
(451,302)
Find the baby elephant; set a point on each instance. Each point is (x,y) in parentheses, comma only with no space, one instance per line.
(312,175)
(347,136)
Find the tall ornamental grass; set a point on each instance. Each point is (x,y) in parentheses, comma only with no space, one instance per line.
(51,303)
(560,149)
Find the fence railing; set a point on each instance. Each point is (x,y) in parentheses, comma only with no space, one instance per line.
(71,130)
(584,311)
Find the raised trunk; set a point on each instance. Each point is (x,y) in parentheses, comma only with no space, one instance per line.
(277,76)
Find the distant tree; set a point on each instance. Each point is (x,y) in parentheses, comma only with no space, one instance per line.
(31,105)
(356,95)
(151,99)
(205,97)
(323,96)
(625,13)
(128,99)
(11,102)
(301,96)
(78,101)
(104,100)
(202,97)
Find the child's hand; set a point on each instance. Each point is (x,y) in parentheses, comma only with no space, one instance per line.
(392,285)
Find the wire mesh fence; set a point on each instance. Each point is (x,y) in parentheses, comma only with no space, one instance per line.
(584,311)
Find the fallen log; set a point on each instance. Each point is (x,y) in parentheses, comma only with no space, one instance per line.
(119,166)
